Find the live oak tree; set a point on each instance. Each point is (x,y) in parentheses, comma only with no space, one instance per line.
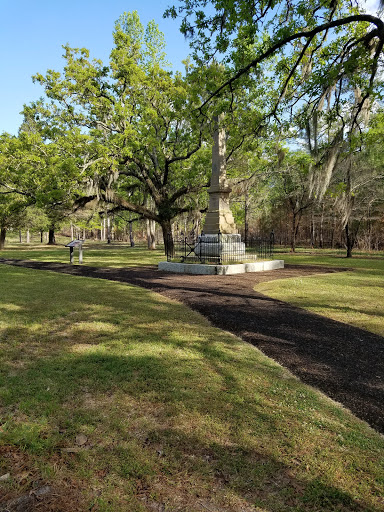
(311,48)
(14,196)
(136,123)
(11,208)
(35,170)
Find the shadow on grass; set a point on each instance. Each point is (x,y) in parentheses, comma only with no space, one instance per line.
(345,362)
(142,433)
(168,404)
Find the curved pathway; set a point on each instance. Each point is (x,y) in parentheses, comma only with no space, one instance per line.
(344,362)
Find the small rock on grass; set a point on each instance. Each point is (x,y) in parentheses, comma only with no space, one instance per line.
(81,439)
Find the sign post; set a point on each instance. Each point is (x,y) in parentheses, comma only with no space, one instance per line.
(72,245)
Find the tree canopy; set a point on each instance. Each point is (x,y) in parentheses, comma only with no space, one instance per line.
(135,122)
(313,49)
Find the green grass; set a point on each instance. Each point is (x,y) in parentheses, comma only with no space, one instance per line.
(174,411)
(95,254)
(354,297)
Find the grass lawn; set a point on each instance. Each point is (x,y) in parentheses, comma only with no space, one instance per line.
(355,297)
(95,254)
(122,400)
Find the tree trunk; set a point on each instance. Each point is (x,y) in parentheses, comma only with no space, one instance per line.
(333,233)
(322,227)
(313,230)
(166,227)
(131,240)
(246,226)
(20,237)
(293,233)
(349,241)
(41,236)
(151,234)
(28,237)
(3,232)
(51,236)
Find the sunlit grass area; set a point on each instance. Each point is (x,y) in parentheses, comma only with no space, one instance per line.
(95,254)
(120,399)
(331,257)
(355,297)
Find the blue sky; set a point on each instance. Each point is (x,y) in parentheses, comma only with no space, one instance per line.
(32,33)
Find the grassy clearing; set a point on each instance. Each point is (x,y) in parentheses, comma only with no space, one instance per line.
(174,414)
(95,254)
(354,297)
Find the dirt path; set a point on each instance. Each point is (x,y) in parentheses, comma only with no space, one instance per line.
(344,362)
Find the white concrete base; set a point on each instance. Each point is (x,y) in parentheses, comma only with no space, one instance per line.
(220,270)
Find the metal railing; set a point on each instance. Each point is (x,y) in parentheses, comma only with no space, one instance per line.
(219,249)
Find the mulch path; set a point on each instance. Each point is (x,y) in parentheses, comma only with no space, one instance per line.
(344,362)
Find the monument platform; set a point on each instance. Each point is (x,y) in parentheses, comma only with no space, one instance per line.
(226,246)
(220,270)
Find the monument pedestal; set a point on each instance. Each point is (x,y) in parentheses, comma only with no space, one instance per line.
(219,217)
(220,247)
(220,270)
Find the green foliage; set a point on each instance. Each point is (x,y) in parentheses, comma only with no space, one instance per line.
(311,50)
(134,121)
(35,170)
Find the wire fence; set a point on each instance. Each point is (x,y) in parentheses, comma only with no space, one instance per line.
(219,249)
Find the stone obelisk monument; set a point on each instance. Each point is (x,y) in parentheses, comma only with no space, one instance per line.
(219,238)
(219,217)
(219,248)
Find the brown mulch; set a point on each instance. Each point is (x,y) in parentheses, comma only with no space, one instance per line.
(344,362)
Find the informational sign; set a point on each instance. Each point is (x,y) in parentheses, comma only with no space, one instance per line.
(75,243)
(72,245)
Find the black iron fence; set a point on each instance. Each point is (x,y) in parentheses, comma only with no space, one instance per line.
(219,249)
